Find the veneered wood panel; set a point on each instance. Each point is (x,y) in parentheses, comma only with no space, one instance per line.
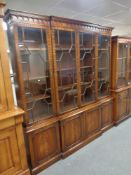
(9,154)
(5,155)
(72,131)
(122,104)
(92,121)
(106,114)
(44,144)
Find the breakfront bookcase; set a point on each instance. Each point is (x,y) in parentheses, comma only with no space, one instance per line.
(121,77)
(63,80)
(12,146)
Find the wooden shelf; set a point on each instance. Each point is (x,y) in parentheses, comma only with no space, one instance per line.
(66,69)
(65,48)
(87,83)
(103,68)
(37,98)
(121,73)
(84,67)
(86,48)
(102,79)
(66,87)
(103,49)
(68,107)
(36,78)
(121,58)
(33,49)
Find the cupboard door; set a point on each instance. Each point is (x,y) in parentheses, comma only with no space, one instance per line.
(71,131)
(122,104)
(35,72)
(92,122)
(107,114)
(103,65)
(87,44)
(122,65)
(65,54)
(9,153)
(44,145)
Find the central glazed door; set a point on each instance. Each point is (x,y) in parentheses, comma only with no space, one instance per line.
(65,70)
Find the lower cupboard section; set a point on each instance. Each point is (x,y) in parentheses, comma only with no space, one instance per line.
(122,105)
(80,128)
(12,147)
(44,145)
(60,137)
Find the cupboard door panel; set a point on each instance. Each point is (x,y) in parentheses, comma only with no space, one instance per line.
(44,144)
(122,104)
(71,131)
(106,114)
(92,122)
(9,153)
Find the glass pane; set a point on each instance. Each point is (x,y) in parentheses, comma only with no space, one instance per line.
(122,64)
(35,67)
(129,68)
(103,65)
(87,67)
(66,69)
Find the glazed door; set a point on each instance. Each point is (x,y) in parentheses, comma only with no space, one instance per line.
(122,65)
(103,65)
(87,67)
(35,74)
(3,105)
(65,68)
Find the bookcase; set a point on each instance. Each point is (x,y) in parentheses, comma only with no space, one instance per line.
(12,145)
(121,72)
(31,56)
(63,80)
(89,51)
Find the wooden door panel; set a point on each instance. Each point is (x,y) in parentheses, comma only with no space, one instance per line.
(92,121)
(71,131)
(122,101)
(6,155)
(9,154)
(106,114)
(44,144)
